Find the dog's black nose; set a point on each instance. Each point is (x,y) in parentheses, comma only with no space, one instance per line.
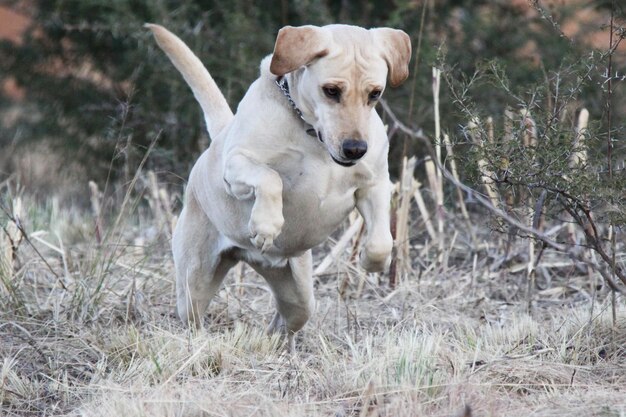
(354,149)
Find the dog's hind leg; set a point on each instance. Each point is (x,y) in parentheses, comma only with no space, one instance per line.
(292,286)
(201,264)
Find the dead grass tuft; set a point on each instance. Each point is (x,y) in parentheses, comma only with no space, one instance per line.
(88,328)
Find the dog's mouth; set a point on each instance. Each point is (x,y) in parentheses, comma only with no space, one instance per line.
(346,164)
(342,163)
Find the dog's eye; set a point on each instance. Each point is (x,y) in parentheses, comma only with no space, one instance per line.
(375,95)
(332,92)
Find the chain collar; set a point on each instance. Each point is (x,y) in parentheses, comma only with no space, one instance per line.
(281,82)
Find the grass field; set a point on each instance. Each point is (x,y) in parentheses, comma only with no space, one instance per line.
(88,327)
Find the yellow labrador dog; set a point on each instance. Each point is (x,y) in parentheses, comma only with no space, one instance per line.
(304,148)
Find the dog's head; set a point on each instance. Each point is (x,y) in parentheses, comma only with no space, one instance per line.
(339,72)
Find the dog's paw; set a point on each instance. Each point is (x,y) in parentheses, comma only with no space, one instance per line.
(264,229)
(262,241)
(375,260)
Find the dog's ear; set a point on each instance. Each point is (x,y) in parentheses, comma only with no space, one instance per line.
(297,46)
(396,47)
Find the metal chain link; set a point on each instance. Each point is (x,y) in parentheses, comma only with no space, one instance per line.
(284,87)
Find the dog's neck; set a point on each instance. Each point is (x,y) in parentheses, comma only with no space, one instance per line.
(281,82)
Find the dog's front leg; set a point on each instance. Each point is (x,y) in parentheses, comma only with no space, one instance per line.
(374,204)
(246,178)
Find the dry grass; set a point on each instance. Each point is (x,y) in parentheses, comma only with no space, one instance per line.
(92,332)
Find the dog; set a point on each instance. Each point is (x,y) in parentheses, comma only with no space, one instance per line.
(304,148)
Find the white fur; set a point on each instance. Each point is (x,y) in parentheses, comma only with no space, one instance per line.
(265,192)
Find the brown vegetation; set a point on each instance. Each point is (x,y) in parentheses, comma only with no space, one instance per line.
(513,315)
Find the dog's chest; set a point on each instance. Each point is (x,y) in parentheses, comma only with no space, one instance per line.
(328,185)
(317,196)
(315,203)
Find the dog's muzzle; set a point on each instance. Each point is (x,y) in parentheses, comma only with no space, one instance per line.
(353,149)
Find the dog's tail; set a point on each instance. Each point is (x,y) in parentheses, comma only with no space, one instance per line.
(217,113)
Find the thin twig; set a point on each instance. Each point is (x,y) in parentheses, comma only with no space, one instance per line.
(609,140)
(415,71)
(609,93)
(19,226)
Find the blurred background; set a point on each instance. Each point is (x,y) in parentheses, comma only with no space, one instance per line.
(84,91)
